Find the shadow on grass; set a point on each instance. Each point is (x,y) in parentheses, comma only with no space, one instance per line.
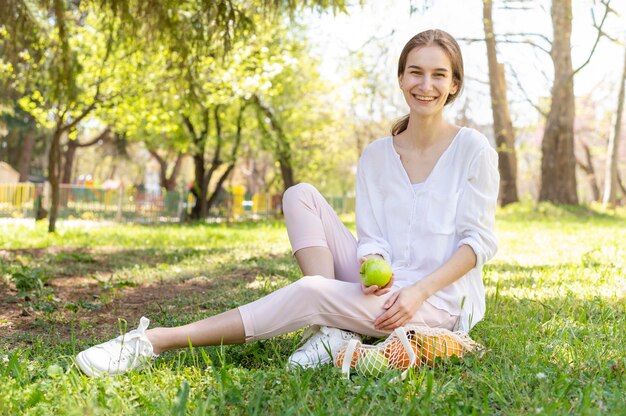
(545,211)
(92,305)
(81,261)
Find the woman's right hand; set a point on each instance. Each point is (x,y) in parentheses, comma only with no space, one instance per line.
(374,289)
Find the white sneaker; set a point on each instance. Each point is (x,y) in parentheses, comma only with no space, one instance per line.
(127,352)
(320,348)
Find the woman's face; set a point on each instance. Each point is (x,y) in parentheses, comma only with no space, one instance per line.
(427,80)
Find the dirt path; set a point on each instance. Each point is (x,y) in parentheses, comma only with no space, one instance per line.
(82,302)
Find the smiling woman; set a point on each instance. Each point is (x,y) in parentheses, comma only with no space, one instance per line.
(425,204)
(429,74)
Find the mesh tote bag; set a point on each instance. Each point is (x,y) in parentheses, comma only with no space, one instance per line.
(405,348)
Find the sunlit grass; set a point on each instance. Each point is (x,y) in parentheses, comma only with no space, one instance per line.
(555,325)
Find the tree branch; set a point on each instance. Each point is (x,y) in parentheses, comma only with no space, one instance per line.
(189,125)
(532,34)
(621,184)
(526,97)
(157,156)
(95,139)
(216,162)
(505,38)
(607,11)
(527,42)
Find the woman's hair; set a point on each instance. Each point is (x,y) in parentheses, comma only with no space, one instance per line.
(446,42)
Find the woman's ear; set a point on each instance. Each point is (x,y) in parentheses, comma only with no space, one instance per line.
(454,88)
(400,81)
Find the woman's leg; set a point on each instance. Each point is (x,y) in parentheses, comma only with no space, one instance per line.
(225,328)
(321,244)
(315,300)
(312,300)
(317,236)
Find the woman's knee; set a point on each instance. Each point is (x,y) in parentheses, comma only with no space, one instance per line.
(311,286)
(299,194)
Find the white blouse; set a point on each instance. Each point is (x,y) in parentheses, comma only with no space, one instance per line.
(418,230)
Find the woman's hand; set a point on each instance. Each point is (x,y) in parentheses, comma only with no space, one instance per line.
(375,289)
(378,291)
(401,306)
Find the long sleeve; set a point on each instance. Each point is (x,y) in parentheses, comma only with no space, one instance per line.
(371,237)
(477,205)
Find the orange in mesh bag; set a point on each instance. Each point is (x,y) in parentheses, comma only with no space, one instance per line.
(406,347)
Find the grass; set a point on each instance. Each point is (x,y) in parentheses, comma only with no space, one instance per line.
(555,325)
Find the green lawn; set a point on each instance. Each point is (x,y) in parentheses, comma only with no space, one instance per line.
(554,331)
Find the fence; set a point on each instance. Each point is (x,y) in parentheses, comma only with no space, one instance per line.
(21,201)
(20,195)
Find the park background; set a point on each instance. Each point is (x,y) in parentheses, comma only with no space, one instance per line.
(161,135)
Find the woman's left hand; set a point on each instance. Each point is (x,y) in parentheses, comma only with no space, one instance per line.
(401,306)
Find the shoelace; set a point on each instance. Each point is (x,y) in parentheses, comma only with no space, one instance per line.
(315,332)
(125,341)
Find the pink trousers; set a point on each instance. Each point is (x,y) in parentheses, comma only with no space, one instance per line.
(317,300)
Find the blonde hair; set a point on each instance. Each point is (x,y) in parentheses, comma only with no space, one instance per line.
(451,48)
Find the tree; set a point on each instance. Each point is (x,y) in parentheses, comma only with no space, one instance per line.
(194,28)
(203,175)
(19,48)
(281,144)
(24,145)
(168,182)
(300,119)
(558,163)
(611,176)
(73,145)
(502,125)
(59,92)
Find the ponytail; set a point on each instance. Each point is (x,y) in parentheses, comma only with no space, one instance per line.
(400,125)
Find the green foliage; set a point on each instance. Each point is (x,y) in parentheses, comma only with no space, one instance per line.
(27,280)
(555,322)
(163,74)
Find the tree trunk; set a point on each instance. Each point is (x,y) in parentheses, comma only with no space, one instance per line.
(610,178)
(620,184)
(199,188)
(590,171)
(502,125)
(70,152)
(54,158)
(26,155)
(233,155)
(169,183)
(286,172)
(282,149)
(558,163)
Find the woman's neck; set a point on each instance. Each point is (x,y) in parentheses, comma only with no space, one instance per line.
(424,132)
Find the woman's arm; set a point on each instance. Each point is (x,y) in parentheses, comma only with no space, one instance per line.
(403,304)
(371,240)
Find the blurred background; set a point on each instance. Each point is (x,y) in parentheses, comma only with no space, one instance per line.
(168,110)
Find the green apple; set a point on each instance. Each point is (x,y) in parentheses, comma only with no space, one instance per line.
(375,271)
(372,364)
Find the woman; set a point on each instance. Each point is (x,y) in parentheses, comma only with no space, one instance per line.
(426,200)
